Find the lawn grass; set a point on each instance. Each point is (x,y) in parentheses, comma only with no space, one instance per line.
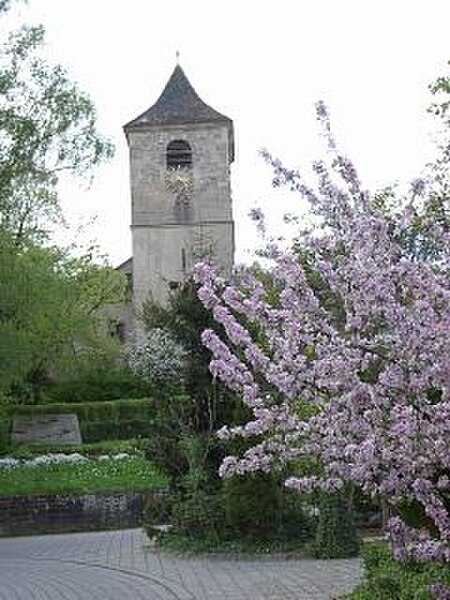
(132,474)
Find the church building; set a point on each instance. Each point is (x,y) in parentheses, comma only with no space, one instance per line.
(180,153)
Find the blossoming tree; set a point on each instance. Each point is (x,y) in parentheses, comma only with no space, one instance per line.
(345,356)
(159,360)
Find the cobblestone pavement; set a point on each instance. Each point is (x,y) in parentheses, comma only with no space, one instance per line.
(123,565)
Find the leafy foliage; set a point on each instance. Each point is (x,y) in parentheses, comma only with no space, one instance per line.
(49,302)
(47,128)
(186,318)
(159,360)
(385,579)
(96,383)
(5,425)
(49,313)
(183,429)
(94,449)
(199,516)
(336,535)
(257,506)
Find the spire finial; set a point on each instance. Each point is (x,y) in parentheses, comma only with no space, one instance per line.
(177,56)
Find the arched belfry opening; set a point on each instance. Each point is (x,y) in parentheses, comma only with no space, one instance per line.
(178,155)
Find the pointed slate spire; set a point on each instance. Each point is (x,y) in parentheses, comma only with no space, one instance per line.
(179,103)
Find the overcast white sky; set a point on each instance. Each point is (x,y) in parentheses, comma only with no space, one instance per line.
(263,64)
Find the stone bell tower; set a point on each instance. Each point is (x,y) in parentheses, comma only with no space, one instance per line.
(180,155)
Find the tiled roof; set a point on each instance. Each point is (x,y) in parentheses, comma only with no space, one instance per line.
(180,104)
(126,266)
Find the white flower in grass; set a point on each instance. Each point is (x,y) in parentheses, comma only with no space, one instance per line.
(57,459)
(9,463)
(120,456)
(45,460)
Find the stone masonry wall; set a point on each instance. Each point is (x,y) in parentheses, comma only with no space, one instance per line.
(169,234)
(152,200)
(32,514)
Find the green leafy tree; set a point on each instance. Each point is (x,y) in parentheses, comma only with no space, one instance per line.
(50,303)
(47,128)
(49,311)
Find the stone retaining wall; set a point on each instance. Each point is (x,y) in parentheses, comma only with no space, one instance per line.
(33,514)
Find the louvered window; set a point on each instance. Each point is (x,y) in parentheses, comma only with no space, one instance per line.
(178,155)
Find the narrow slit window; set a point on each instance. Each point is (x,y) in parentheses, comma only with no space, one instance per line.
(183,259)
(178,155)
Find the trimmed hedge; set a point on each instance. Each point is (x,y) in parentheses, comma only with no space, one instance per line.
(93,450)
(5,427)
(111,420)
(100,385)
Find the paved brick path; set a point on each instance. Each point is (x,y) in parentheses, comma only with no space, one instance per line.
(123,565)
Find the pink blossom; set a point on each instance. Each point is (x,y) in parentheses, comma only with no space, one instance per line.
(343,355)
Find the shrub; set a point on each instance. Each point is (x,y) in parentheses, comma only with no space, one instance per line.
(130,446)
(5,426)
(158,509)
(253,505)
(259,507)
(199,516)
(168,429)
(385,579)
(336,535)
(160,361)
(97,385)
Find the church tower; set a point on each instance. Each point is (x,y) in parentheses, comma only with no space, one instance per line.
(181,150)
